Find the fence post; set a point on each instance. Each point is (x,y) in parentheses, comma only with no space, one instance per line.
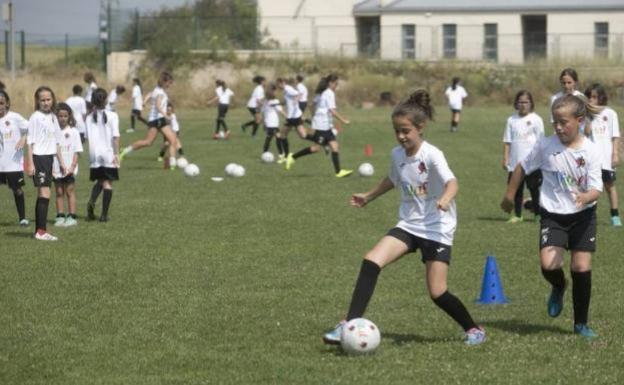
(7,60)
(66,49)
(22,49)
(137,27)
(195,30)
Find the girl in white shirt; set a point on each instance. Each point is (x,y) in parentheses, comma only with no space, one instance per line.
(79,109)
(427,218)
(455,94)
(89,78)
(523,130)
(113,97)
(254,104)
(571,184)
(137,105)
(568,79)
(271,109)
(175,126)
(223,97)
(303,96)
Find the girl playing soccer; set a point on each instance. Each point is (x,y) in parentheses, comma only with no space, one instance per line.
(13,130)
(224,97)
(293,114)
(568,78)
(303,96)
(270,111)
(103,134)
(79,109)
(571,184)
(71,146)
(254,103)
(175,126)
(137,105)
(455,94)
(605,132)
(322,123)
(43,143)
(157,121)
(113,96)
(523,130)
(427,218)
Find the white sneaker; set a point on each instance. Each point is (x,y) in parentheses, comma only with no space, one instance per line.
(45,237)
(24,222)
(59,222)
(129,130)
(69,221)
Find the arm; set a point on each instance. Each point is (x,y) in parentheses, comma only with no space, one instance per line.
(72,167)
(212,100)
(338,116)
(116,151)
(584,198)
(362,199)
(506,147)
(31,165)
(162,112)
(615,156)
(516,178)
(450,191)
(59,157)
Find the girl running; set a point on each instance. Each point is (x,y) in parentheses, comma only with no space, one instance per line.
(175,126)
(572,183)
(293,114)
(137,105)
(103,134)
(254,103)
(568,78)
(13,130)
(43,144)
(427,218)
(303,95)
(113,96)
(79,109)
(455,94)
(523,130)
(224,97)
(605,132)
(157,121)
(271,109)
(322,123)
(71,146)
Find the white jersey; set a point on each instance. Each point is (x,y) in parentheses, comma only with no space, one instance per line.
(604,127)
(303,92)
(422,179)
(101,138)
(565,172)
(175,126)
(89,93)
(12,127)
(137,98)
(557,96)
(154,113)
(256,97)
(111,100)
(291,96)
(79,109)
(323,117)
(224,95)
(521,133)
(456,97)
(70,144)
(270,112)
(43,133)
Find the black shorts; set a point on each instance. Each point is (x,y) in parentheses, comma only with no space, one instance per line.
(222,110)
(323,137)
(294,122)
(106,173)
(252,111)
(571,231)
(14,179)
(303,106)
(608,176)
(453,110)
(270,131)
(429,250)
(158,123)
(69,179)
(135,112)
(43,170)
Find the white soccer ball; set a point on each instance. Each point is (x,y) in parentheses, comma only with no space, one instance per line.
(238,171)
(221,135)
(182,162)
(360,336)
(268,157)
(191,170)
(366,169)
(229,168)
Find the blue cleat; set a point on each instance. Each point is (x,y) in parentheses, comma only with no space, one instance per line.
(585,331)
(616,221)
(555,302)
(475,336)
(333,337)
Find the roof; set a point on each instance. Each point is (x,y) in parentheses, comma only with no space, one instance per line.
(374,7)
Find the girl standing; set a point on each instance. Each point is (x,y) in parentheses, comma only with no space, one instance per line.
(175,127)
(13,130)
(568,78)
(103,134)
(572,183)
(271,109)
(71,146)
(43,144)
(113,96)
(137,105)
(427,218)
(223,96)
(605,132)
(157,121)
(455,94)
(523,130)
(89,78)
(254,103)
(79,109)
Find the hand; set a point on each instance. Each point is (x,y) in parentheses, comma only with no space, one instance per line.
(31,169)
(580,199)
(507,204)
(19,145)
(116,160)
(443,204)
(505,164)
(346,121)
(358,200)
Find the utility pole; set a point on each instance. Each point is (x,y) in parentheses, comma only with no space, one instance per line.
(7,16)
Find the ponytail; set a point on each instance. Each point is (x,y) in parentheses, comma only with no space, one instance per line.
(416,107)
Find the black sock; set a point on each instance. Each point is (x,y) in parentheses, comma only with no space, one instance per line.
(581,295)
(555,277)
(20,204)
(255,128)
(453,123)
(73,215)
(518,200)
(267,143)
(249,123)
(285,146)
(224,124)
(218,126)
(456,309)
(336,161)
(41,213)
(364,288)
(132,121)
(95,192)
(280,148)
(180,151)
(106,200)
(60,215)
(304,152)
(615,213)
(162,152)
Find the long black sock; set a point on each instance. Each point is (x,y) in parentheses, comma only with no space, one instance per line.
(336,161)
(20,204)
(180,151)
(247,124)
(285,146)
(132,121)
(518,200)
(218,126)
(555,277)
(162,152)
(455,309)
(41,213)
(364,288)
(267,143)
(615,213)
(581,295)
(95,192)
(255,128)
(225,127)
(106,200)
(304,152)
(533,182)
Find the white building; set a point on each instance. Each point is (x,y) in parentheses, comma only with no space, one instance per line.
(508,31)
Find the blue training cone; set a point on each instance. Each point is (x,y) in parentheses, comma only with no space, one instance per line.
(491,288)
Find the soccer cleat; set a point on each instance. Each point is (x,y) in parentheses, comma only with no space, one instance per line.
(333,336)
(103,219)
(515,219)
(122,155)
(91,211)
(616,221)
(159,159)
(130,130)
(585,331)
(59,222)
(172,167)
(475,336)
(289,161)
(344,173)
(555,301)
(45,236)
(24,222)
(69,221)
(281,159)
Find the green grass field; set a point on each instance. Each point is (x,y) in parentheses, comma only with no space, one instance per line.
(197,282)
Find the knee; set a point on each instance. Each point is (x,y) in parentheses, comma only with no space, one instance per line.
(436,290)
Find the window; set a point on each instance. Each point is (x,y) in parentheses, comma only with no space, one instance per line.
(601,39)
(490,42)
(408,32)
(449,41)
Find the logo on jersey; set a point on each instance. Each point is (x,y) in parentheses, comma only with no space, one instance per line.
(528,122)
(67,135)
(7,123)
(580,162)
(545,232)
(422,168)
(605,118)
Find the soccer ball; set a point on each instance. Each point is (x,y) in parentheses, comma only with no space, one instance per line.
(229,169)
(238,171)
(359,336)
(191,170)
(366,169)
(182,163)
(267,157)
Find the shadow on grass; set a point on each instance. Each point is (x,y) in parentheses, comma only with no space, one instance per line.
(501,219)
(7,224)
(19,234)
(524,328)
(402,339)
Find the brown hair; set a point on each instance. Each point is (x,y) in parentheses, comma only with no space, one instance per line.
(416,107)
